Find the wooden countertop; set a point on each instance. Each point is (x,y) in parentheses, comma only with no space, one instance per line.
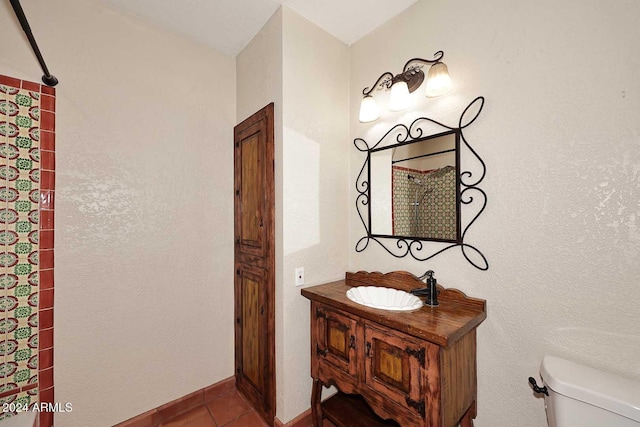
(443,325)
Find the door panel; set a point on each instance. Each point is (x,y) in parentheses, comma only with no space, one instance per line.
(395,366)
(337,339)
(252,332)
(252,327)
(251,154)
(254,304)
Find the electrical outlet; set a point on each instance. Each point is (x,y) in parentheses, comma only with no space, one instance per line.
(299,276)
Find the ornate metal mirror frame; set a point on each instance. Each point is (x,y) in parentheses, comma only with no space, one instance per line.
(470,193)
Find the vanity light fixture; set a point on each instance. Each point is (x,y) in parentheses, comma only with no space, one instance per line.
(401,85)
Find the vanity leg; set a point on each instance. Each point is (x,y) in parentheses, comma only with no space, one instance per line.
(467,418)
(316,398)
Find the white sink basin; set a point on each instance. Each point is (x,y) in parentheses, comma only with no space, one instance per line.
(384,298)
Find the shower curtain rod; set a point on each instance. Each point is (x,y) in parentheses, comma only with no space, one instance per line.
(48,79)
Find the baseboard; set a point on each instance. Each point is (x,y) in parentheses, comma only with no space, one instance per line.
(162,413)
(302,420)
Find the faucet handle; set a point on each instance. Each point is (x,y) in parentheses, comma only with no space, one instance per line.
(428,274)
(537,388)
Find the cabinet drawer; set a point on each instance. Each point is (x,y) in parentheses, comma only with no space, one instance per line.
(395,366)
(336,342)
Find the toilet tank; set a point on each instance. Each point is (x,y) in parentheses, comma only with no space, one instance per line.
(580,396)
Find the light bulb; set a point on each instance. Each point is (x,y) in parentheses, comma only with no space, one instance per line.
(368,109)
(438,80)
(399,98)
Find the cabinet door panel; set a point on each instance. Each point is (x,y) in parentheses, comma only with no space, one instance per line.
(251,333)
(253,211)
(395,366)
(336,339)
(391,366)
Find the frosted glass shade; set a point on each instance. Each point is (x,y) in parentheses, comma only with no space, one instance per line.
(438,80)
(368,110)
(399,98)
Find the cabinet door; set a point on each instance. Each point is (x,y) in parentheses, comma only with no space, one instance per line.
(395,366)
(252,337)
(255,261)
(336,343)
(253,180)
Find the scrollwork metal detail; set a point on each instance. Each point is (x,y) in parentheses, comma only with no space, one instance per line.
(470,193)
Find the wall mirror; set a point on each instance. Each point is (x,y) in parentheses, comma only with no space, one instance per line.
(411,189)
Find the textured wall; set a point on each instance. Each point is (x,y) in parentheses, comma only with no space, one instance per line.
(144,215)
(315,192)
(560,137)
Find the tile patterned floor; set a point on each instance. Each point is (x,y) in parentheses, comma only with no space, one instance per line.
(230,410)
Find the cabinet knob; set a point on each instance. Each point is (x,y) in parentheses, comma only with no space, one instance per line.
(368,349)
(352,342)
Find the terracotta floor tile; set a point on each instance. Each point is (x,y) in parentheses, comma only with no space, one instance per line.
(228,408)
(197,417)
(327,423)
(250,419)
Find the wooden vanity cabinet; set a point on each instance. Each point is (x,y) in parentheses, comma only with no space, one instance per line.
(416,368)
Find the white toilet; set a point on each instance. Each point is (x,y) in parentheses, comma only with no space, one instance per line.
(580,396)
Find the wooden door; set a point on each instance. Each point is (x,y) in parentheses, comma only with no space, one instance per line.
(393,367)
(254,287)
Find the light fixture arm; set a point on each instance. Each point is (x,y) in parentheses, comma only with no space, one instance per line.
(388,78)
(381,81)
(436,58)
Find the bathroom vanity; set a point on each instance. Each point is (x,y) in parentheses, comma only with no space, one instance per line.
(413,368)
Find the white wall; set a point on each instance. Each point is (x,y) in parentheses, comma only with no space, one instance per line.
(144,207)
(560,137)
(315,190)
(381,199)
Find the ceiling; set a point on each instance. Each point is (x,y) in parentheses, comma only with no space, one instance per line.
(229,25)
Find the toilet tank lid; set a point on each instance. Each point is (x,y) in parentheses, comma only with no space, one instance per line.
(592,386)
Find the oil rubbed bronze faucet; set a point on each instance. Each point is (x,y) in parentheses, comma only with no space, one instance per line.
(430,291)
